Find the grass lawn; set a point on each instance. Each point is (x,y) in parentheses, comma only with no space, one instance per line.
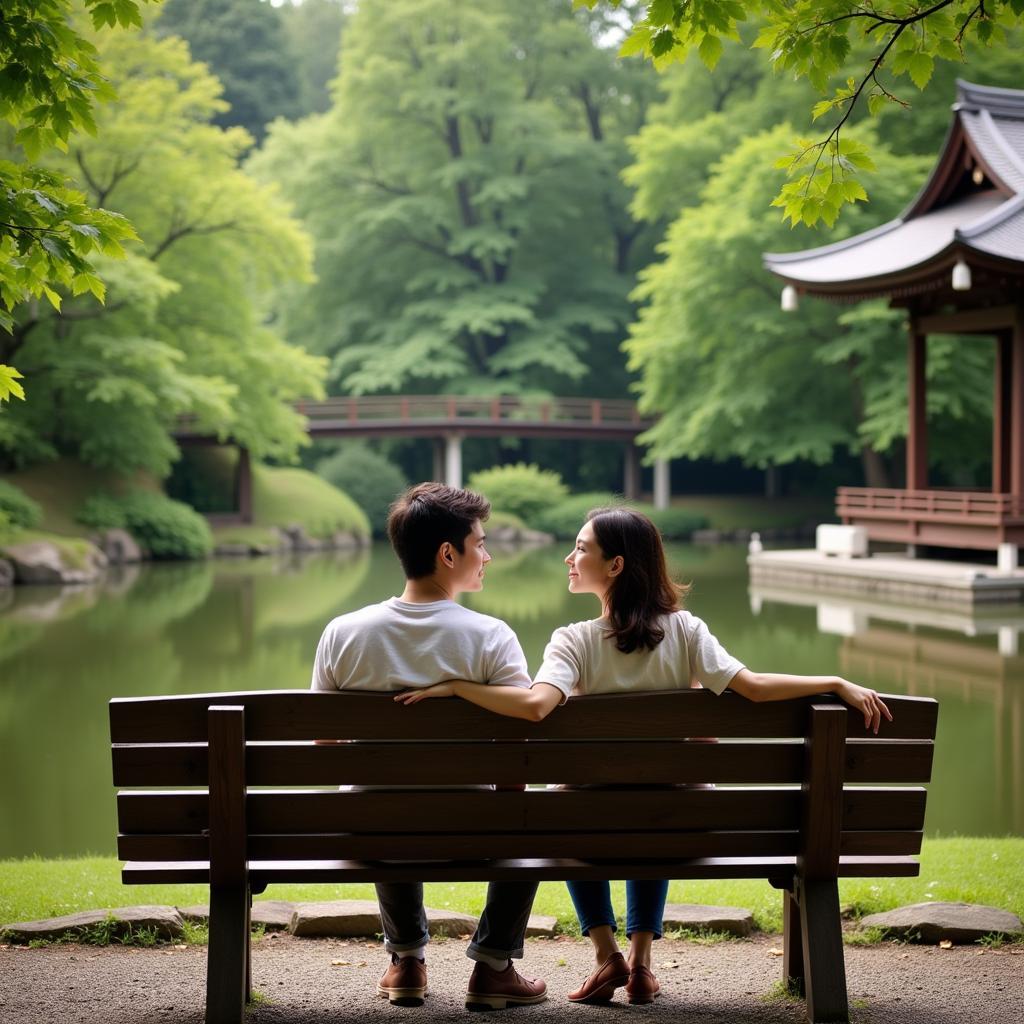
(62,486)
(988,871)
(287,496)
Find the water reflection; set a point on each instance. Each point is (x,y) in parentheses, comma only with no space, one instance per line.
(254,624)
(970,660)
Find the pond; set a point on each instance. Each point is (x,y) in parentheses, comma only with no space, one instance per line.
(251,624)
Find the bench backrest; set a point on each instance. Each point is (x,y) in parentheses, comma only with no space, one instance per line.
(794,779)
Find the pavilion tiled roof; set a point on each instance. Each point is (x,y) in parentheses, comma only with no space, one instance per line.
(971,206)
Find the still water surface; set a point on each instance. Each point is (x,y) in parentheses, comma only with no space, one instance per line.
(233,625)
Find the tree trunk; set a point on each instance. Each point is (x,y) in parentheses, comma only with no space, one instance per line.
(876,472)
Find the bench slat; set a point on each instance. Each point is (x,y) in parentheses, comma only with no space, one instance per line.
(297,811)
(303,715)
(511,762)
(556,870)
(512,844)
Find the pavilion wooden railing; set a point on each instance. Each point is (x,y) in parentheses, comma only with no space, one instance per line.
(981,508)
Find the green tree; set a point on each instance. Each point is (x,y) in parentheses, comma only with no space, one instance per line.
(50,78)
(463,191)
(712,313)
(314,30)
(246,45)
(896,44)
(184,328)
(733,376)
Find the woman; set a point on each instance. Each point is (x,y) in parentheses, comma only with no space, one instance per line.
(642,641)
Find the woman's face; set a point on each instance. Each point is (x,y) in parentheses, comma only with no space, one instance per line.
(589,571)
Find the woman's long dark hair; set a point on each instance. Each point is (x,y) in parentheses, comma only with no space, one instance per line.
(643,593)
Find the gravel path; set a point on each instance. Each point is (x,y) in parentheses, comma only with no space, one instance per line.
(305,980)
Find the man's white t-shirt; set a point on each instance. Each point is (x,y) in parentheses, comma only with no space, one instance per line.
(581,658)
(398,645)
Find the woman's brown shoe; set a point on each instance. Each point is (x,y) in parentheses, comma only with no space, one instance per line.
(642,986)
(601,985)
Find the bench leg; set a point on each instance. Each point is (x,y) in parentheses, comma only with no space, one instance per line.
(226,968)
(792,944)
(824,967)
(248,947)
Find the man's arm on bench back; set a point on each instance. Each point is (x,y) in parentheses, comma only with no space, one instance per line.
(533,704)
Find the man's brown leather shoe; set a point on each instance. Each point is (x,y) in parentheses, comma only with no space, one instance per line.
(642,986)
(404,982)
(495,990)
(601,985)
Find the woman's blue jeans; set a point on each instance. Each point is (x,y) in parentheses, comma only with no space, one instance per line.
(645,905)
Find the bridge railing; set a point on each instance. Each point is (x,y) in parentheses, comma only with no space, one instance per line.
(410,408)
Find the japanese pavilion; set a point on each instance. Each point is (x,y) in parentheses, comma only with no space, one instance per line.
(955,262)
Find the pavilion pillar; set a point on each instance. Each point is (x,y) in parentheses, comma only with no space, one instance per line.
(917,408)
(1016,389)
(1002,413)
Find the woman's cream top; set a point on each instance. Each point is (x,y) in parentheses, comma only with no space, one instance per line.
(582,658)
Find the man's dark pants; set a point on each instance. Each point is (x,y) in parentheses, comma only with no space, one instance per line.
(499,935)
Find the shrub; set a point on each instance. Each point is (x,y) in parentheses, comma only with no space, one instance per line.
(675,523)
(520,490)
(102,512)
(565,519)
(165,528)
(17,508)
(367,477)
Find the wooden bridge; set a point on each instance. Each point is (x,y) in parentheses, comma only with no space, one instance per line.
(449,419)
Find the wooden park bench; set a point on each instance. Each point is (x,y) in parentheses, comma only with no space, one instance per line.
(803,797)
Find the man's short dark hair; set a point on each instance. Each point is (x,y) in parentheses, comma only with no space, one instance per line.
(424,517)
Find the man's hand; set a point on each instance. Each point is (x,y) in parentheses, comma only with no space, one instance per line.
(866,701)
(445,689)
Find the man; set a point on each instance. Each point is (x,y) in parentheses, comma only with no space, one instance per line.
(416,640)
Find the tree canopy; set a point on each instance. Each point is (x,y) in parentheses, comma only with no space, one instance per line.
(854,55)
(247,46)
(730,374)
(471,227)
(184,328)
(50,81)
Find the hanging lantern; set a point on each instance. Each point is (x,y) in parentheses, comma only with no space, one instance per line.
(790,300)
(961,277)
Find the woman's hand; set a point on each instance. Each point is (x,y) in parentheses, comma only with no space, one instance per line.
(445,689)
(866,701)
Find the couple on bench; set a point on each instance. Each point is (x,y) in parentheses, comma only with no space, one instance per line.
(424,645)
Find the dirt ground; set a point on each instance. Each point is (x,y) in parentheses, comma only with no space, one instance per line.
(300,981)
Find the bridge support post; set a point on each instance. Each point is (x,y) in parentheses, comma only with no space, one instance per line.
(437,448)
(453,460)
(243,485)
(662,483)
(631,472)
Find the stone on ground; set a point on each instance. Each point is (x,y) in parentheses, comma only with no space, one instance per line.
(165,921)
(932,922)
(349,918)
(541,926)
(274,915)
(693,916)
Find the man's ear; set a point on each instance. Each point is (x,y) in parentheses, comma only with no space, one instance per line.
(444,555)
(618,564)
